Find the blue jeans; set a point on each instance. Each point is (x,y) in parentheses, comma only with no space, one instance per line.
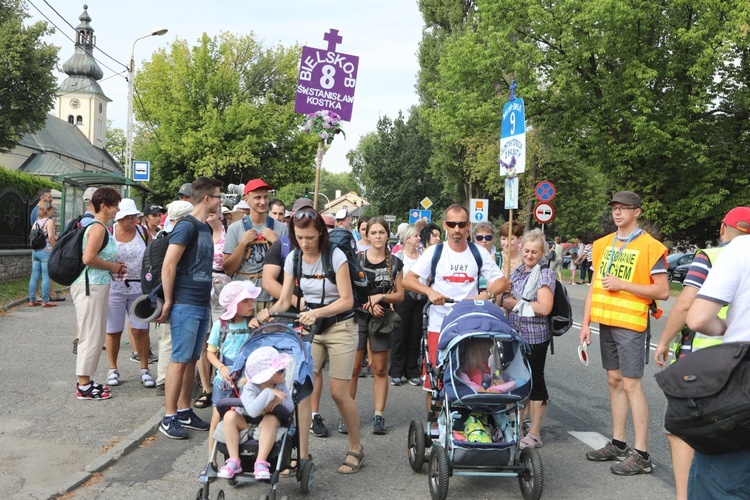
(719,476)
(39,259)
(189,326)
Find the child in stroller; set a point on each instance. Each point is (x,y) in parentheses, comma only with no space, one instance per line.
(265,394)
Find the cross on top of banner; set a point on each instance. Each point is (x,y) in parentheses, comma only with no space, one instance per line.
(333,39)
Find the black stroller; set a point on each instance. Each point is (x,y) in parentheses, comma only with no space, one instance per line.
(464,404)
(300,380)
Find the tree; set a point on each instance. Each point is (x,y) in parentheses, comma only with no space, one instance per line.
(392,165)
(115,144)
(223,108)
(27,86)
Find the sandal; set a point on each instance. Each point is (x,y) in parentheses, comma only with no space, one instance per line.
(203,401)
(292,470)
(113,377)
(353,467)
(530,441)
(262,472)
(230,468)
(34,303)
(526,424)
(146,379)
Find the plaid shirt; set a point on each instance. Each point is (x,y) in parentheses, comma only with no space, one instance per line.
(535,329)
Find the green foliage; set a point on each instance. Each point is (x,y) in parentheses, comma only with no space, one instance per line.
(222,108)
(116,143)
(26,184)
(392,165)
(27,86)
(647,96)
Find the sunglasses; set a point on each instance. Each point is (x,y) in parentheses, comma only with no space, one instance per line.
(306,214)
(483,237)
(452,224)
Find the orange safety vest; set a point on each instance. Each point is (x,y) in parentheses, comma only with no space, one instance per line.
(633,264)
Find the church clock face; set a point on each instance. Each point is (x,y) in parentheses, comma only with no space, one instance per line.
(75,103)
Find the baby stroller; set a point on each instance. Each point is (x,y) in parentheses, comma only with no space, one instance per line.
(300,381)
(476,430)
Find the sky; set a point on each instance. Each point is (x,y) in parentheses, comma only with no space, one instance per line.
(385,34)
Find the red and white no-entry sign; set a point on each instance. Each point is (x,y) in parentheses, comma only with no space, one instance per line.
(544,213)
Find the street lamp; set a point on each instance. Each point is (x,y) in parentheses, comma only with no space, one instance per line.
(131,89)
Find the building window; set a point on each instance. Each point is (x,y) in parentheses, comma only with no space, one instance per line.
(71,119)
(79,120)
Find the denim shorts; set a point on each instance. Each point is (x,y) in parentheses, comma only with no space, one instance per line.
(189,326)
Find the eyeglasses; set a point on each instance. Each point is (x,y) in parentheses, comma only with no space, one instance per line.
(305,213)
(214,195)
(620,209)
(483,237)
(452,224)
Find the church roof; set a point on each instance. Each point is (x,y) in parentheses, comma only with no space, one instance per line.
(82,69)
(59,140)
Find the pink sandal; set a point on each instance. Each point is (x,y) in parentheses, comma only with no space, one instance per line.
(530,441)
(231,467)
(262,472)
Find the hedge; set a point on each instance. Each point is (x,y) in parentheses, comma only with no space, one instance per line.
(26,184)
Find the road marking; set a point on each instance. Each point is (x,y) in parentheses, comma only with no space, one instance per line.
(592,439)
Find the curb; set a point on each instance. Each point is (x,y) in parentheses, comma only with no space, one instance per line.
(19,302)
(114,454)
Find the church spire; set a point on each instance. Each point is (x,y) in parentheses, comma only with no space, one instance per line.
(82,69)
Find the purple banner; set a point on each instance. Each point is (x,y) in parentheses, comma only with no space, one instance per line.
(326,81)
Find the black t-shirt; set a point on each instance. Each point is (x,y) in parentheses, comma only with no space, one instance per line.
(380,279)
(276,256)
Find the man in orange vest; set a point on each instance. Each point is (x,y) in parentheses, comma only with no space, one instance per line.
(630,271)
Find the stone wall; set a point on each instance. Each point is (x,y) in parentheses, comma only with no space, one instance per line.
(14,264)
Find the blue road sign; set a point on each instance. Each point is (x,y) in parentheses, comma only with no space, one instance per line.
(141,171)
(413,215)
(545,191)
(426,214)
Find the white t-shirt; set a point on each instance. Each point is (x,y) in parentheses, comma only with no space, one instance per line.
(729,283)
(312,289)
(455,277)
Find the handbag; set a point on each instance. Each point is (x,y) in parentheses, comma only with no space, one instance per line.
(385,324)
(708,398)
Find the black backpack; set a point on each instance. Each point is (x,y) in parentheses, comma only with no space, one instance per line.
(66,260)
(561,315)
(153,258)
(342,239)
(37,239)
(76,223)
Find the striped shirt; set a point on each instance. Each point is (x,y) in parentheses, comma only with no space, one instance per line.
(698,270)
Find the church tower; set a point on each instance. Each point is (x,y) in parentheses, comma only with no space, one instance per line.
(80,99)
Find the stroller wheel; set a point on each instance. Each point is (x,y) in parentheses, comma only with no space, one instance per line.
(439,473)
(417,441)
(199,495)
(306,478)
(219,495)
(532,479)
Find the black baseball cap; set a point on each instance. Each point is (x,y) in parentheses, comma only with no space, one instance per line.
(154,209)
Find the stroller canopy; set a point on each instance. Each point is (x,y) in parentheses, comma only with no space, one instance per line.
(473,316)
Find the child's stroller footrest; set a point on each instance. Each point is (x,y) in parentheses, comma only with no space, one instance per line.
(478,454)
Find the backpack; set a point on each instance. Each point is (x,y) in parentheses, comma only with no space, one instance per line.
(138,229)
(394,265)
(551,255)
(439,252)
(561,315)
(37,239)
(66,260)
(708,405)
(76,223)
(342,239)
(153,258)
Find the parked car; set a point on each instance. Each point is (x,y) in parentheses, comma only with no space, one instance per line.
(677,259)
(680,272)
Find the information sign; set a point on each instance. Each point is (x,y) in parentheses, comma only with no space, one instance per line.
(479,210)
(142,171)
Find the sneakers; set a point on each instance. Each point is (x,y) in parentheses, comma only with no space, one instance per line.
(318,428)
(396,381)
(342,427)
(609,452)
(634,464)
(94,391)
(190,420)
(151,357)
(378,425)
(113,377)
(232,467)
(172,428)
(415,381)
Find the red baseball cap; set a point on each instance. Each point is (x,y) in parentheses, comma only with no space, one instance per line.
(738,218)
(255,185)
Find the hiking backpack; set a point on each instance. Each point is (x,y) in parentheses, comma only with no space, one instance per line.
(37,239)
(342,239)
(153,258)
(66,259)
(561,315)
(76,223)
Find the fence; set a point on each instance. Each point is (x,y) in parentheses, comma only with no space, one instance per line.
(15,211)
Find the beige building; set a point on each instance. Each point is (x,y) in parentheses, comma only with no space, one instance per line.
(353,203)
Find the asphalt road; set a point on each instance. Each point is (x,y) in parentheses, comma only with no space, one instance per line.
(163,468)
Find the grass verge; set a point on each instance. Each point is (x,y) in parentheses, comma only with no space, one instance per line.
(17,289)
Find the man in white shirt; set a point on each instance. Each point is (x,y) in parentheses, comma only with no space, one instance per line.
(725,475)
(456,276)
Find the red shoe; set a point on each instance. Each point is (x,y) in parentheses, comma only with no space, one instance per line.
(49,304)
(34,304)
